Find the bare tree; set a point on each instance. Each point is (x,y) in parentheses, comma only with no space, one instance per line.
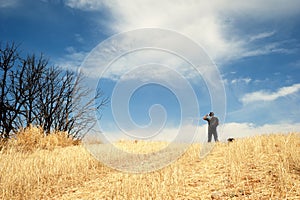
(50,97)
(71,108)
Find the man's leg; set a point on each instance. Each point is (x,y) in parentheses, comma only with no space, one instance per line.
(216,136)
(209,136)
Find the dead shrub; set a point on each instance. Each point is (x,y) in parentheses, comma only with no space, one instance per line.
(32,138)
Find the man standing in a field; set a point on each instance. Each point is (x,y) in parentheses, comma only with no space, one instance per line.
(213,122)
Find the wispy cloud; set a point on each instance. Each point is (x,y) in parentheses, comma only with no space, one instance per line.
(72,59)
(203,21)
(275,47)
(79,38)
(295,64)
(261,36)
(270,96)
(241,80)
(89,5)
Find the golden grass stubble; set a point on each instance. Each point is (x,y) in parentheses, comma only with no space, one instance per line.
(45,173)
(34,165)
(255,168)
(264,166)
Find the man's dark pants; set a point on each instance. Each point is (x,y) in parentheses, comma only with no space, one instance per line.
(212,133)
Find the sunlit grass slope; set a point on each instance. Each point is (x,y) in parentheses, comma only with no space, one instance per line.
(260,167)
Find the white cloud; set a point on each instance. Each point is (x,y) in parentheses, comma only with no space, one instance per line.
(207,22)
(270,96)
(199,133)
(197,20)
(240,130)
(190,133)
(127,56)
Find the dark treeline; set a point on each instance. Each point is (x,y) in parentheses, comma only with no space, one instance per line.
(35,93)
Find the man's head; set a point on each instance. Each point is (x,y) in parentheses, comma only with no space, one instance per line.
(211,114)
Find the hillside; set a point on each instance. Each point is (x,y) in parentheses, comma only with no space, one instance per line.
(260,167)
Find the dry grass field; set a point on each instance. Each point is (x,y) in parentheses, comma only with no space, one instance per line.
(260,167)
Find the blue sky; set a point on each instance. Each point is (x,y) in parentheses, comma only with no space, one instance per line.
(254,45)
